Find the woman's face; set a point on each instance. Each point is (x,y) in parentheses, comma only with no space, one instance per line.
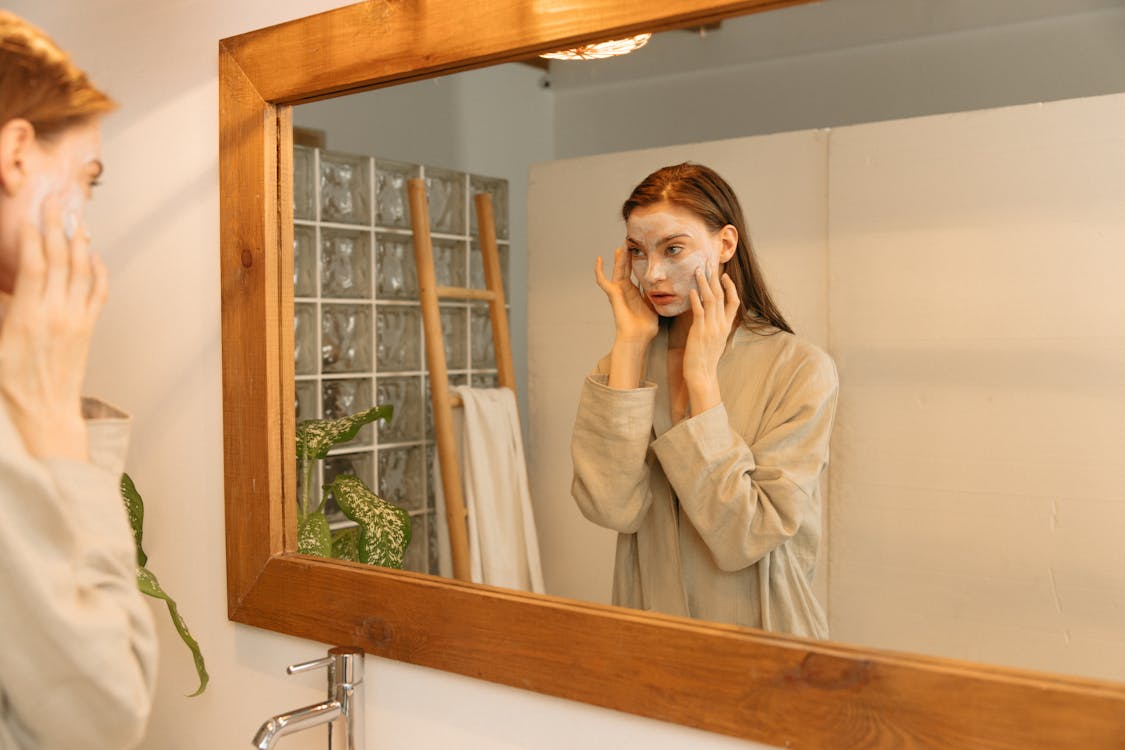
(64,168)
(667,244)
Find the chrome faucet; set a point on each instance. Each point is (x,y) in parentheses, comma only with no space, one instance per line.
(342,711)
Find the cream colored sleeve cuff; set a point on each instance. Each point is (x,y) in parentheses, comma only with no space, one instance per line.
(107,428)
(616,412)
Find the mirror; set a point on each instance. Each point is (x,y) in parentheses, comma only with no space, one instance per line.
(700,674)
(995,601)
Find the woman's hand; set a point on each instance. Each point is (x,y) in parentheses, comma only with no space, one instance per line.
(58,295)
(633,316)
(635,322)
(714,308)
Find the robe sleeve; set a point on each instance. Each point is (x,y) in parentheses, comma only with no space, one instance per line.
(746,495)
(77,667)
(609,446)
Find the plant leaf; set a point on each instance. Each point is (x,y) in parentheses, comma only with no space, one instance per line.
(345,544)
(315,437)
(136,508)
(148,584)
(313,535)
(384,529)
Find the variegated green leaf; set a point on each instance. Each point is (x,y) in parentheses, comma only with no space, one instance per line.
(313,535)
(345,544)
(315,437)
(136,508)
(384,529)
(148,584)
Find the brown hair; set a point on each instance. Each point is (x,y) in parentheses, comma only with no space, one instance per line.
(703,192)
(40,84)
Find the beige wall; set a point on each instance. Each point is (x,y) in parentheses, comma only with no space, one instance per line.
(965,271)
(978,321)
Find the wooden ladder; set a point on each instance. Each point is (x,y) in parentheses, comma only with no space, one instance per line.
(443,401)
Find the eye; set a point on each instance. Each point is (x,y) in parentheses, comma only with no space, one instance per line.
(636,252)
(674,250)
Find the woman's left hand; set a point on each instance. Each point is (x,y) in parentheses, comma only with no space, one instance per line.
(714,308)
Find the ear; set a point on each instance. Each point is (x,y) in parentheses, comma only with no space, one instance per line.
(17,136)
(728,243)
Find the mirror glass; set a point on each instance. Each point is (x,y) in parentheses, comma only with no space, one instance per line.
(973,493)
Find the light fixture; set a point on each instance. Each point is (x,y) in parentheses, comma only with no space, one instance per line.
(601,50)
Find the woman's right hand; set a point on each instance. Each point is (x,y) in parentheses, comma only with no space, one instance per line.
(58,294)
(635,320)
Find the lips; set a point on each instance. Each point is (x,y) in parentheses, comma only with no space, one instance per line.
(662,298)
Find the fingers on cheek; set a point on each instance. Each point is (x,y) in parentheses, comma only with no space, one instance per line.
(80,251)
(99,292)
(31,250)
(700,283)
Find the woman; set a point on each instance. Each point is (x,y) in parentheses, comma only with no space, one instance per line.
(703,436)
(77,645)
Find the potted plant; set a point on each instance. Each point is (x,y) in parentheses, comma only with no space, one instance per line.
(382,531)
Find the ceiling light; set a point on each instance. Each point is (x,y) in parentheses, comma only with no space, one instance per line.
(601,50)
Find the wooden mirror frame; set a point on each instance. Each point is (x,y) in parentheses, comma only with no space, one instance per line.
(774,689)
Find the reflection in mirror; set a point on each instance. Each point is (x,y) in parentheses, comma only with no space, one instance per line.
(358,325)
(953,527)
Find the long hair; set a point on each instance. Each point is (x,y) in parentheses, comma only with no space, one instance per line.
(39,83)
(702,191)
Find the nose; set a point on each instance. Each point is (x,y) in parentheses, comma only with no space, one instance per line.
(655,271)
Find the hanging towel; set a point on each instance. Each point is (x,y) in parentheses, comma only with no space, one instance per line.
(503,545)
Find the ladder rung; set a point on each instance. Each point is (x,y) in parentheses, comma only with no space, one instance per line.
(457,402)
(460,292)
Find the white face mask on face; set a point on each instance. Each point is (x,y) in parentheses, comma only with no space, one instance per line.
(72,203)
(668,244)
(60,170)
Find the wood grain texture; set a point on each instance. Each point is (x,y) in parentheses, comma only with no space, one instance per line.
(774,689)
(392,41)
(493,279)
(444,438)
(255,519)
(464,293)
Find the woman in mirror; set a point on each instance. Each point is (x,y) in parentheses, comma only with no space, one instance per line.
(77,664)
(702,437)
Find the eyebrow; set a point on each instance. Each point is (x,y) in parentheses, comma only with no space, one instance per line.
(663,241)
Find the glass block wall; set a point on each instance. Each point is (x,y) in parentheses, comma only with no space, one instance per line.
(358,321)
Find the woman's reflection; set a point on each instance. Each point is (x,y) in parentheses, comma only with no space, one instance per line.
(701,438)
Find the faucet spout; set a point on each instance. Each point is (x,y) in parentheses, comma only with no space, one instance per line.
(310,716)
(342,711)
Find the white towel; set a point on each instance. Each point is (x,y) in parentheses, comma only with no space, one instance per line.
(503,544)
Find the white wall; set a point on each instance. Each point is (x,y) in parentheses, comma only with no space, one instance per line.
(157,353)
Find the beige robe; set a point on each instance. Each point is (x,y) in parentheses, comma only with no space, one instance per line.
(77,641)
(719,515)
